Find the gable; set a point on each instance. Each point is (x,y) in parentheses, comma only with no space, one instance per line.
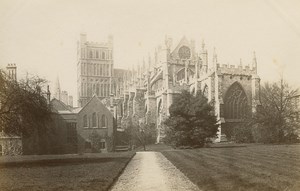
(95,104)
(183,42)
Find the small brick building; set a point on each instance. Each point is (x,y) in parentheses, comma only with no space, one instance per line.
(86,129)
(94,127)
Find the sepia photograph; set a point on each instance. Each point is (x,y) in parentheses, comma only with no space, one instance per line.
(149,95)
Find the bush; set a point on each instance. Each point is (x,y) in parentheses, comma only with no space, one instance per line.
(191,122)
(243,134)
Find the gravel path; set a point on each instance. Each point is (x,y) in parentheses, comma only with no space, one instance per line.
(152,171)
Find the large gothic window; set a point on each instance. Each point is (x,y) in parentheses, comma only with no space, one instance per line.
(184,52)
(181,74)
(236,104)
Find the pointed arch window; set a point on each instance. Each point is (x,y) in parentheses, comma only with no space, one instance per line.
(91,54)
(236,104)
(85,123)
(94,120)
(97,90)
(104,121)
(181,74)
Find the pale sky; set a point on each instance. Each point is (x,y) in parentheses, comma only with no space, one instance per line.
(40,36)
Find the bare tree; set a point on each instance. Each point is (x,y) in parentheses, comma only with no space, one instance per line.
(24,108)
(278,116)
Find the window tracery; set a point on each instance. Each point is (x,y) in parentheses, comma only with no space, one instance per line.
(236,104)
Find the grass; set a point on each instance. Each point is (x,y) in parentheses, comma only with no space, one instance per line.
(64,172)
(254,167)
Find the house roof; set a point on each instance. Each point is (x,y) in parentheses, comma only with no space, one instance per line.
(76,110)
(65,112)
(94,98)
(59,107)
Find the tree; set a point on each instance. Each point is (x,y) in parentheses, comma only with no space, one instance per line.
(146,134)
(277,119)
(24,109)
(138,133)
(192,121)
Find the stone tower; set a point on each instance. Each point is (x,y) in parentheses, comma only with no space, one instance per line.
(12,71)
(94,69)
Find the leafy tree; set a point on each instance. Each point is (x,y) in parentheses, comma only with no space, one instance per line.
(277,119)
(24,110)
(95,141)
(192,121)
(146,134)
(138,133)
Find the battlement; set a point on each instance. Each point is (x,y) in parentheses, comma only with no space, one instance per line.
(233,69)
(107,43)
(97,44)
(11,65)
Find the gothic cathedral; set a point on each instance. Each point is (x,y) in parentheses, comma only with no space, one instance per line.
(146,93)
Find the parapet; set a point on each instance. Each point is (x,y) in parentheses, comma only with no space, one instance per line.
(233,69)
(97,44)
(11,65)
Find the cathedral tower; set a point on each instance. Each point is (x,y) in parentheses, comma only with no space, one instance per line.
(94,69)
(12,71)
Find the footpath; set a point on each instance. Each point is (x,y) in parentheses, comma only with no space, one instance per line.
(152,171)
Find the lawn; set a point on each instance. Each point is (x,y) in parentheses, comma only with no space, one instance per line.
(254,167)
(65,172)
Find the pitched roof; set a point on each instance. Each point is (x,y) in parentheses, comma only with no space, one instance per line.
(59,105)
(181,43)
(76,110)
(93,98)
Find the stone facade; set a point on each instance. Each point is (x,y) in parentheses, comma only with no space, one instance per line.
(94,119)
(148,91)
(95,71)
(10,145)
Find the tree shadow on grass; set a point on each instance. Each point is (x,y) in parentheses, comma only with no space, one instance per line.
(60,162)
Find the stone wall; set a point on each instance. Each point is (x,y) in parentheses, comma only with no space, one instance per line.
(10,145)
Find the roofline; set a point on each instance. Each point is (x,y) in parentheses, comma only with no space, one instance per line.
(94,96)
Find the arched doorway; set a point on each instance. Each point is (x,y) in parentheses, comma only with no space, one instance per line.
(236,108)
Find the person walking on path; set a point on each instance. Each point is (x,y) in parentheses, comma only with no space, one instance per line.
(152,171)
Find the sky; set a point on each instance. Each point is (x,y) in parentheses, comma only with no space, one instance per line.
(41,36)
